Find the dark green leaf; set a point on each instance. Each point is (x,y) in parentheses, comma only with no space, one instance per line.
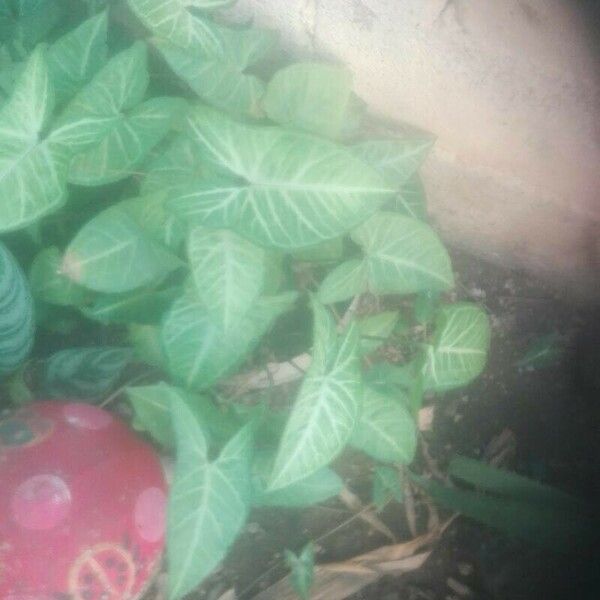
(302,570)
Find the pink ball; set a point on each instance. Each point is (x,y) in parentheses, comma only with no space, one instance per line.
(82,505)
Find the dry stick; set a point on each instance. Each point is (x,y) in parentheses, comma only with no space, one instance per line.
(352,501)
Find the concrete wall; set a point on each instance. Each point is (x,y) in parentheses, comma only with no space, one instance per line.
(510,87)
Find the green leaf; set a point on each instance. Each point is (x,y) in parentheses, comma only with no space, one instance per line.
(16,314)
(179,162)
(229,274)
(512,485)
(144,307)
(219,83)
(171,20)
(26,22)
(544,351)
(385,431)
(126,144)
(145,340)
(302,567)
(199,352)
(209,5)
(150,214)
(112,254)
(396,160)
(48,285)
(403,255)
(208,502)
(290,190)
(315,488)
(536,523)
(313,97)
(375,329)
(325,252)
(32,169)
(411,199)
(325,412)
(86,373)
(460,346)
(76,57)
(387,485)
(345,281)
(426,306)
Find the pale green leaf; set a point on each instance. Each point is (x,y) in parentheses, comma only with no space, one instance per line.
(16,313)
(145,340)
(323,416)
(290,190)
(314,97)
(124,145)
(375,329)
(403,255)
(49,285)
(411,199)
(32,170)
(75,57)
(398,159)
(385,430)
(208,502)
(219,83)
(150,214)
(302,570)
(179,162)
(198,352)
(228,271)
(112,254)
(459,349)
(345,281)
(144,307)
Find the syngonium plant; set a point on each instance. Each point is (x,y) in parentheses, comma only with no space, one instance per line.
(185,212)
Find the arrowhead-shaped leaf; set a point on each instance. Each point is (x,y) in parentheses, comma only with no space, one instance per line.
(208,502)
(385,431)
(112,254)
(16,314)
(459,350)
(324,414)
(199,352)
(75,57)
(285,190)
(228,271)
(310,96)
(346,280)
(398,159)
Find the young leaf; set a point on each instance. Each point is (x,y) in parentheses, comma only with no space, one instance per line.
(290,190)
(16,314)
(83,373)
(310,96)
(459,350)
(32,170)
(411,199)
(325,412)
(218,82)
(48,285)
(302,567)
(403,255)
(208,502)
(144,307)
(385,430)
(228,272)
(345,281)
(387,485)
(75,57)
(396,160)
(199,352)
(375,329)
(112,254)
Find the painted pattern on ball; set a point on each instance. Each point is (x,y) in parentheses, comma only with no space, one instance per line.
(84,499)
